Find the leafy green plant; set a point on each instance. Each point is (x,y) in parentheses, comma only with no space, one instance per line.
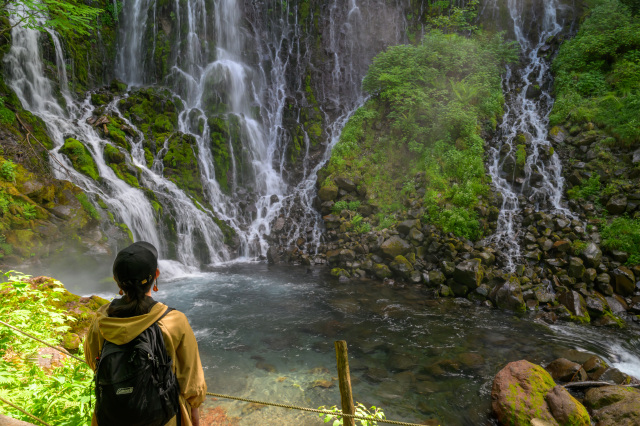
(345,205)
(385,222)
(59,395)
(29,211)
(60,15)
(361,410)
(8,170)
(591,187)
(623,233)
(598,73)
(359,226)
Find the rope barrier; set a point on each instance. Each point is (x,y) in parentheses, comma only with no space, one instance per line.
(43,342)
(273,404)
(24,412)
(312,410)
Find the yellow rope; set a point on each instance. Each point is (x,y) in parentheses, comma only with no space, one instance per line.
(273,404)
(24,412)
(312,410)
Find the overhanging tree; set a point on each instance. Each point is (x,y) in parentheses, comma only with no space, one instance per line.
(59,15)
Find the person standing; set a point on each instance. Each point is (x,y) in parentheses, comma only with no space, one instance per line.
(135,271)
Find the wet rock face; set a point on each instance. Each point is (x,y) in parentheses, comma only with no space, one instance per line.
(523,391)
(566,371)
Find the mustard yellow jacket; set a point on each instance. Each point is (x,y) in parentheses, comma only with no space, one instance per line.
(178,338)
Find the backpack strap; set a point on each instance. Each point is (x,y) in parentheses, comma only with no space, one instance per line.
(165,313)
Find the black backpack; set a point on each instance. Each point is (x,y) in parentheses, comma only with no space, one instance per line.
(135,385)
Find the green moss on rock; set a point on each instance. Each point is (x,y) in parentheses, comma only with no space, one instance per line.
(80,158)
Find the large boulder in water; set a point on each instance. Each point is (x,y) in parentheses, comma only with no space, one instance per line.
(566,371)
(469,273)
(614,405)
(575,303)
(509,295)
(524,393)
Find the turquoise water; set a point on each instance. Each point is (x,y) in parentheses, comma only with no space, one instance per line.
(267,333)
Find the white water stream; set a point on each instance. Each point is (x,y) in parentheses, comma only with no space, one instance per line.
(526,119)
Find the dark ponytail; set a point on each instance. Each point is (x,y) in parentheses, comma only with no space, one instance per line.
(135,301)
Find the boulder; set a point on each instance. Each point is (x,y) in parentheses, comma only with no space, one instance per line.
(469,273)
(436,278)
(617,204)
(592,255)
(523,391)
(576,268)
(345,183)
(603,284)
(381,270)
(509,295)
(614,405)
(401,266)
(576,305)
(594,367)
(565,408)
(395,246)
(566,371)
(597,305)
(405,226)
(415,235)
(327,193)
(625,281)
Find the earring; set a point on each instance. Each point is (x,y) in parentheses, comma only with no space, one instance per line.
(121,292)
(155,286)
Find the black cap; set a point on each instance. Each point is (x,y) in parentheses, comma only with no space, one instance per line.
(136,263)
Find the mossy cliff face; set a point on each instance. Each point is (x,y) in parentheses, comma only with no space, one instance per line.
(40,215)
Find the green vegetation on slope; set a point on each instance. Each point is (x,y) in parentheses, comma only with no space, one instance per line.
(430,104)
(598,73)
(35,377)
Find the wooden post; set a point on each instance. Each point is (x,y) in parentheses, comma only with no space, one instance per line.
(345,382)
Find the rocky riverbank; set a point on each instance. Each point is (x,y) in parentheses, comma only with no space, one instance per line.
(527,394)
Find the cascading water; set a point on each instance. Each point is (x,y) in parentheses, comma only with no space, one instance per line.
(538,181)
(25,75)
(249,73)
(250,76)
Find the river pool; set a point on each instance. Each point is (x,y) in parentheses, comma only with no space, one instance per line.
(267,333)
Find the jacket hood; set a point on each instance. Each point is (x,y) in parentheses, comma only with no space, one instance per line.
(124,330)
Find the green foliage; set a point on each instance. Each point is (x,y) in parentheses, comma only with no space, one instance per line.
(60,395)
(385,222)
(61,15)
(359,226)
(430,102)
(598,73)
(345,205)
(449,18)
(29,211)
(623,233)
(80,158)
(88,206)
(7,117)
(373,412)
(8,170)
(590,188)
(578,246)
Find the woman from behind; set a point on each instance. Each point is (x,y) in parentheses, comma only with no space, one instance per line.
(127,339)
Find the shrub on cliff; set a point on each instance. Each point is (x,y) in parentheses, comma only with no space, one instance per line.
(429,105)
(598,73)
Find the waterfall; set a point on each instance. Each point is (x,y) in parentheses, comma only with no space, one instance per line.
(539,183)
(25,75)
(246,64)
